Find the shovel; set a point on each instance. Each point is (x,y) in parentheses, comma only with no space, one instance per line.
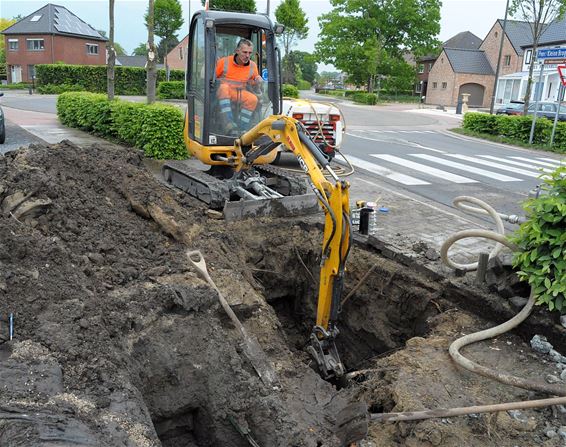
(252,348)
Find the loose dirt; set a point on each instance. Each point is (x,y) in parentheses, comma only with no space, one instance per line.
(118,342)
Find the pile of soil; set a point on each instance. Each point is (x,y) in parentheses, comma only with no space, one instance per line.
(118,341)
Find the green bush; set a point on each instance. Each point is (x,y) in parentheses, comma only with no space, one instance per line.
(51,89)
(365,98)
(542,243)
(288,90)
(517,128)
(303,85)
(171,90)
(156,128)
(128,80)
(404,98)
(16,86)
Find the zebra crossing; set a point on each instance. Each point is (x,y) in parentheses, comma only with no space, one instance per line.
(424,169)
(370,131)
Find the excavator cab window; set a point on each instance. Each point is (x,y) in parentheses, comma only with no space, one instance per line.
(219,110)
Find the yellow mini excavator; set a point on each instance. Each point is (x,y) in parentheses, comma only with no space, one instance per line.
(239,160)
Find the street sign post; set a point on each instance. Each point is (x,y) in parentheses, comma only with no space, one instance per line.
(546,56)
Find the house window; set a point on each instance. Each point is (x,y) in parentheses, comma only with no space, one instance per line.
(91,48)
(181,53)
(35,44)
(421,68)
(13,44)
(444,85)
(35,18)
(31,71)
(507,60)
(496,34)
(430,66)
(549,89)
(434,85)
(528,56)
(419,87)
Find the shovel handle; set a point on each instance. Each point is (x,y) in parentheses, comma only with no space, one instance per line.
(199,263)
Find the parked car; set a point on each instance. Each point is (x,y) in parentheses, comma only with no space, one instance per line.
(548,110)
(2,124)
(513,108)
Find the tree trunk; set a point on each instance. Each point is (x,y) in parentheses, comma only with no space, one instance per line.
(111,54)
(527,97)
(151,66)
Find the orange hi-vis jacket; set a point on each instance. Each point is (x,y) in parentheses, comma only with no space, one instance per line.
(234,79)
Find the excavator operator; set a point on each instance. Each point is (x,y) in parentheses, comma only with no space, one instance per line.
(236,73)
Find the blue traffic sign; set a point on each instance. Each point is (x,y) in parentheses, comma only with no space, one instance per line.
(265,74)
(552,53)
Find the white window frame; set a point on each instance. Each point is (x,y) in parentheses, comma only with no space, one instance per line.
(421,68)
(507,60)
(12,41)
(40,44)
(91,46)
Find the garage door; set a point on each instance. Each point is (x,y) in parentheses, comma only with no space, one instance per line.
(476,92)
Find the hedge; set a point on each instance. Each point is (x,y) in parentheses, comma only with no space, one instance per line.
(365,98)
(290,91)
(171,90)
(155,128)
(92,78)
(517,128)
(303,85)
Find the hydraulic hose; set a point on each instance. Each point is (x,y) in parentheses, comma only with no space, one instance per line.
(457,345)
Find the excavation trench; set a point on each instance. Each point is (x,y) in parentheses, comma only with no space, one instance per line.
(118,341)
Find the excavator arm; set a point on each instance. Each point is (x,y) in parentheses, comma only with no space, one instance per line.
(333,196)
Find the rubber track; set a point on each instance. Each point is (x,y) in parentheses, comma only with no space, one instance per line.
(197,183)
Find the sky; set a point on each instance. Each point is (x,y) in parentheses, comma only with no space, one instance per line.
(476,16)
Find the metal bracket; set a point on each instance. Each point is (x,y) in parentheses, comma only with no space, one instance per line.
(323,350)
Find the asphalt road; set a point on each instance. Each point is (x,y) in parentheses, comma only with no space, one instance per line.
(411,149)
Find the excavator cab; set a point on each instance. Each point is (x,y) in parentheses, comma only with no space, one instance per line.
(213,36)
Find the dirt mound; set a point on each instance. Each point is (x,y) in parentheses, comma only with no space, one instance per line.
(119,342)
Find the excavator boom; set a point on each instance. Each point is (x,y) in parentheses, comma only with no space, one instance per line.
(333,196)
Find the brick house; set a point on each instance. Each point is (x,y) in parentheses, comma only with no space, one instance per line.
(463,40)
(474,71)
(513,85)
(177,57)
(49,35)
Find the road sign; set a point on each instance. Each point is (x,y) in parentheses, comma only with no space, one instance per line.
(551,53)
(562,74)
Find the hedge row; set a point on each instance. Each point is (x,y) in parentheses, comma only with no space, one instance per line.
(156,128)
(288,90)
(517,128)
(365,98)
(303,85)
(92,78)
(171,90)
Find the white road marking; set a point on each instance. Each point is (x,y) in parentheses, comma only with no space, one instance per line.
(387,173)
(542,163)
(468,168)
(495,165)
(516,163)
(424,168)
(552,160)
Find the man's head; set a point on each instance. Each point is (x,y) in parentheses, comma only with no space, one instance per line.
(244,51)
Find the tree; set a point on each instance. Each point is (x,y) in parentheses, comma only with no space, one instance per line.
(539,14)
(111,54)
(306,62)
(165,46)
(358,35)
(290,14)
(140,50)
(4,23)
(151,66)
(232,5)
(167,19)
